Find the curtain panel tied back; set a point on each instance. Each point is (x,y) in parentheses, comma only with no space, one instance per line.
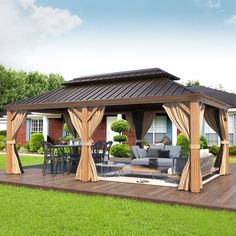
(217,120)
(16,121)
(85,120)
(179,114)
(140,122)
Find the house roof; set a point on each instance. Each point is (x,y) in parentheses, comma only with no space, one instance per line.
(123,75)
(150,86)
(229,98)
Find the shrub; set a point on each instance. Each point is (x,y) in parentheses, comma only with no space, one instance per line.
(69,137)
(184,143)
(119,126)
(35,142)
(120,150)
(3,132)
(120,138)
(40,151)
(2,142)
(232,150)
(214,149)
(203,142)
(66,129)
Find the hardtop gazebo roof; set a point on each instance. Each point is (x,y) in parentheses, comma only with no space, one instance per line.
(148,86)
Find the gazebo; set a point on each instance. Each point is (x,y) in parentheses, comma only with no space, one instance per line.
(139,95)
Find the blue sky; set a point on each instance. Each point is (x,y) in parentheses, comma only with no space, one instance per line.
(193,39)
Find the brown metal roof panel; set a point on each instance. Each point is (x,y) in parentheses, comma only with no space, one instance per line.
(141,74)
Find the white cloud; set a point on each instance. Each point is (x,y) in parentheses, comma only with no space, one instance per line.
(231,20)
(214,3)
(209,3)
(24,19)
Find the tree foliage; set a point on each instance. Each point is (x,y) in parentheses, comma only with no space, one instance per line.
(16,85)
(193,83)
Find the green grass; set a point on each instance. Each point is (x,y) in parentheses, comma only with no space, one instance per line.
(25,160)
(37,212)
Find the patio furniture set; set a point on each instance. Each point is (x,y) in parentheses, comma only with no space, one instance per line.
(64,157)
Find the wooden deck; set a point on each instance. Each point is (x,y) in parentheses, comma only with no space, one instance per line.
(217,194)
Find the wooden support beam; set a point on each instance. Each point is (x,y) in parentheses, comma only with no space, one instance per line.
(9,147)
(195,185)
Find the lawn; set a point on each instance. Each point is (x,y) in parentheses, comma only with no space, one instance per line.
(38,212)
(25,160)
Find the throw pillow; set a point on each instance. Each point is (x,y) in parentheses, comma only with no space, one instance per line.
(142,153)
(153,152)
(164,154)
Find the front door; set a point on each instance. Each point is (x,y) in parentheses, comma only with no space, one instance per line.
(109,133)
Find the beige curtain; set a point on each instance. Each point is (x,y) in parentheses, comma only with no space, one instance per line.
(17,119)
(140,122)
(223,116)
(85,121)
(180,116)
(67,119)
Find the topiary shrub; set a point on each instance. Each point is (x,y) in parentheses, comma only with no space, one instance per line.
(35,143)
(2,142)
(232,150)
(203,142)
(120,138)
(119,126)
(214,149)
(120,150)
(184,143)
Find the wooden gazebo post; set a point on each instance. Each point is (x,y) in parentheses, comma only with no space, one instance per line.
(195,185)
(9,149)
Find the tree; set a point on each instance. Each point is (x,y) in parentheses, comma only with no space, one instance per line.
(16,85)
(193,83)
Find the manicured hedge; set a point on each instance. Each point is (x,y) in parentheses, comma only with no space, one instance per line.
(35,142)
(120,150)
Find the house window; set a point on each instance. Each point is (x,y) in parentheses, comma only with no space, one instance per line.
(157,130)
(211,135)
(231,130)
(36,126)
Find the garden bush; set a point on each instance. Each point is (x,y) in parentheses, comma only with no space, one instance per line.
(3,132)
(35,143)
(184,143)
(120,150)
(120,138)
(214,149)
(2,142)
(203,142)
(119,126)
(232,150)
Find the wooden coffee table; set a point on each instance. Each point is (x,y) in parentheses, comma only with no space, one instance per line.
(143,169)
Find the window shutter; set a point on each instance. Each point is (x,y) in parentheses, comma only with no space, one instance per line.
(27,130)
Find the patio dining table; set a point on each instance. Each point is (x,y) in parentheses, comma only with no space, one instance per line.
(71,154)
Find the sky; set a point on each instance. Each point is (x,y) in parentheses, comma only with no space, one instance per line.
(192,39)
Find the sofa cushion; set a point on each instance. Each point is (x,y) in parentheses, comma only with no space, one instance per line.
(165,162)
(142,152)
(140,162)
(163,153)
(153,152)
(135,150)
(204,153)
(174,150)
(157,146)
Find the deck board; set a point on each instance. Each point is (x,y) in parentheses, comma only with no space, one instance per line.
(219,194)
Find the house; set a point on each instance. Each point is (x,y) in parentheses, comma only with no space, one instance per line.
(51,125)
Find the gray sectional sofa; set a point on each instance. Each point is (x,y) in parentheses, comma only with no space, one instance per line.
(164,155)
